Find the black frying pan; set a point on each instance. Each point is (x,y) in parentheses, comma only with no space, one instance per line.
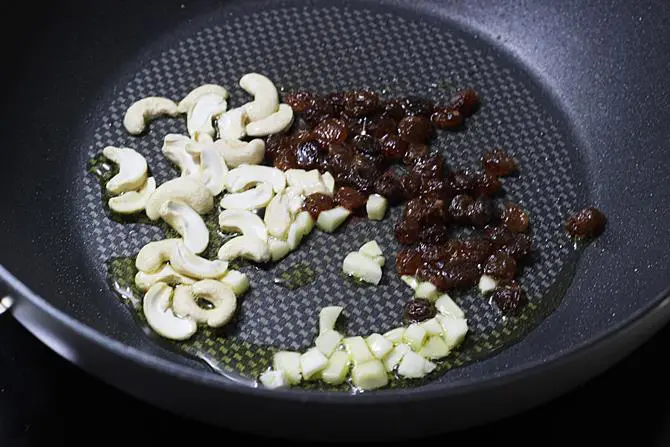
(577,91)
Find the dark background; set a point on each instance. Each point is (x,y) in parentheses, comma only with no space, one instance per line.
(44,400)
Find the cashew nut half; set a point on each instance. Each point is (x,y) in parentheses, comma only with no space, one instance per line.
(266,97)
(200,116)
(187,223)
(277,217)
(213,168)
(183,189)
(251,199)
(132,169)
(237,153)
(144,110)
(166,275)
(219,295)
(232,123)
(184,261)
(189,100)
(156,308)
(247,247)
(246,222)
(174,149)
(243,176)
(133,201)
(275,123)
(153,255)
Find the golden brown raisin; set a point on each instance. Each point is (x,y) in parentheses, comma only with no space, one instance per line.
(447,118)
(360,103)
(465,101)
(589,222)
(350,198)
(501,266)
(393,147)
(515,218)
(317,202)
(407,261)
(509,298)
(498,163)
(415,129)
(299,101)
(331,130)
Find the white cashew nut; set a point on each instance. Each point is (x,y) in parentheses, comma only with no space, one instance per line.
(275,123)
(266,97)
(242,177)
(246,222)
(309,182)
(156,308)
(277,217)
(200,116)
(237,153)
(141,112)
(153,255)
(189,100)
(246,247)
(251,199)
(144,281)
(294,200)
(213,168)
(133,201)
(232,124)
(184,261)
(174,149)
(183,189)
(187,223)
(218,294)
(132,169)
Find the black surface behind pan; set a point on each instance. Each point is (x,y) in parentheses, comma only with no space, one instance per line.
(575,92)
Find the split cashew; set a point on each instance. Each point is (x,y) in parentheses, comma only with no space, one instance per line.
(133,201)
(277,217)
(166,275)
(187,223)
(266,97)
(219,295)
(200,116)
(251,199)
(153,255)
(132,169)
(308,182)
(213,168)
(159,315)
(144,110)
(242,177)
(275,123)
(184,261)
(247,247)
(189,100)
(246,222)
(237,153)
(232,124)
(183,189)
(174,149)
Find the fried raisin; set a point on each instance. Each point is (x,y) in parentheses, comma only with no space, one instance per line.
(336,101)
(459,207)
(418,310)
(320,109)
(480,212)
(414,152)
(360,103)
(447,118)
(486,184)
(415,129)
(285,160)
(515,218)
(465,101)
(434,234)
(299,101)
(501,266)
(331,130)
(389,186)
(429,167)
(407,261)
(380,126)
(462,181)
(415,106)
(306,155)
(393,109)
(366,144)
(460,276)
(588,222)
(509,298)
(317,202)
(411,185)
(519,247)
(393,147)
(350,198)
(498,163)
(407,231)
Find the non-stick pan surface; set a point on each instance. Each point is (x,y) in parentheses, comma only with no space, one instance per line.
(575,92)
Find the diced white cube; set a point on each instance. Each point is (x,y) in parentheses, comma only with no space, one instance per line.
(446,306)
(273,379)
(487,284)
(371,249)
(376,207)
(311,362)
(432,326)
(413,366)
(329,183)
(289,363)
(362,267)
(237,281)
(330,220)
(426,290)
(369,375)
(379,345)
(327,318)
(415,336)
(337,369)
(455,330)
(358,350)
(278,249)
(301,226)
(395,336)
(328,341)
(410,281)
(434,348)
(396,356)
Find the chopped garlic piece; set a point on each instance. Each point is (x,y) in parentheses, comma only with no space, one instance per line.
(396,335)
(362,267)
(446,306)
(392,360)
(311,362)
(413,366)
(376,207)
(328,341)
(369,375)
(358,350)
(426,290)
(337,369)
(415,336)
(487,284)
(379,345)
(330,220)
(273,379)
(435,348)
(288,363)
(327,318)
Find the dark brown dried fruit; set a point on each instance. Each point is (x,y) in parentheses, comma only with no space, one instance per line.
(307,154)
(519,247)
(460,276)
(393,109)
(509,298)
(434,234)
(480,212)
(499,235)
(393,147)
(589,222)
(447,118)
(459,207)
(414,152)
(360,103)
(380,126)
(339,159)
(317,202)
(487,185)
(437,188)
(473,251)
(432,252)
(498,163)
(331,131)
(366,144)
(411,185)
(389,186)
(415,106)
(336,101)
(319,109)
(407,231)
(350,198)
(299,101)
(429,167)
(285,160)
(433,272)
(407,261)
(275,144)
(462,181)
(465,101)
(515,218)
(418,310)
(415,129)
(501,266)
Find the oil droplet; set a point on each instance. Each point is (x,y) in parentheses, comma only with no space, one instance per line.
(296,276)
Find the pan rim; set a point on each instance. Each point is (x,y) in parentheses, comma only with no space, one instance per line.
(457,387)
